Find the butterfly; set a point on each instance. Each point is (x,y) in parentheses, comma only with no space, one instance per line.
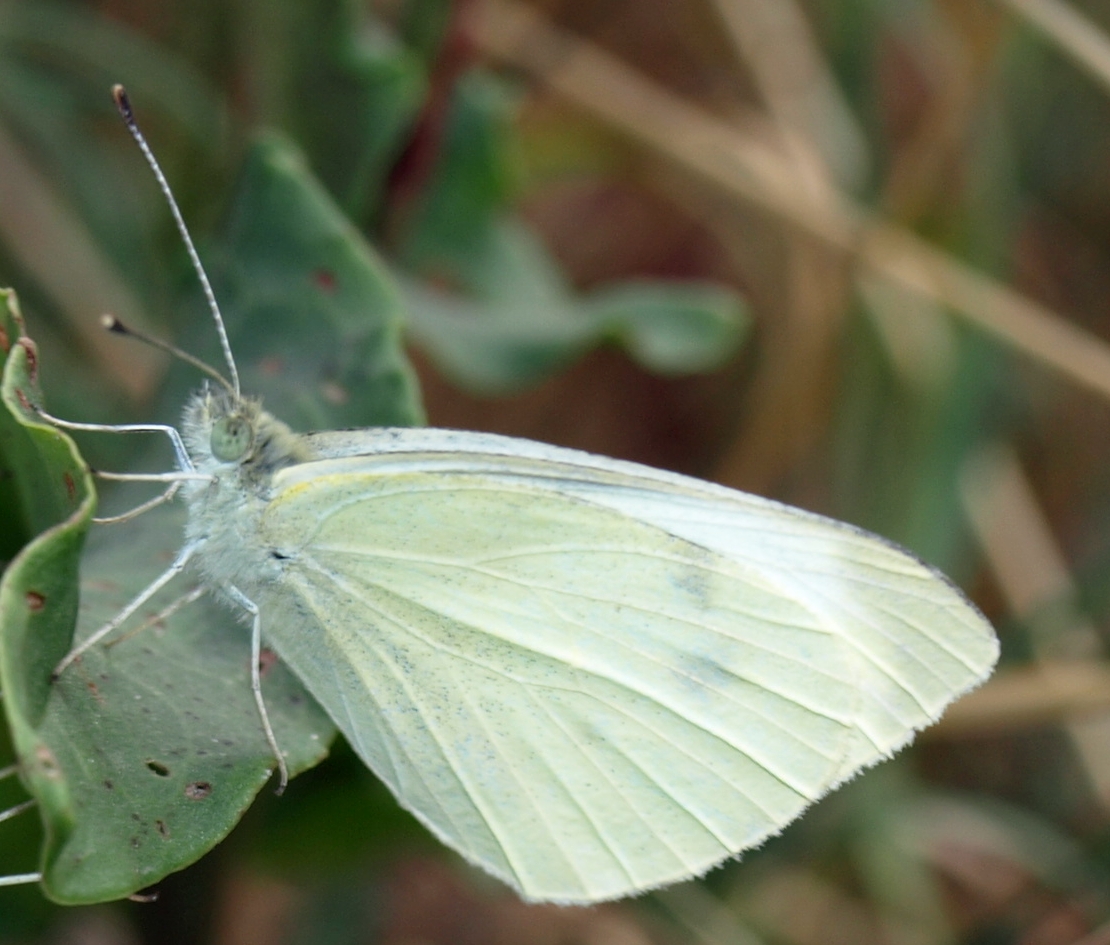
(587,676)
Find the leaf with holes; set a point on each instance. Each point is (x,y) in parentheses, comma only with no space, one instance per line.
(144,754)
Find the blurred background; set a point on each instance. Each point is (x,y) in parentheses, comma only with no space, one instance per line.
(849,254)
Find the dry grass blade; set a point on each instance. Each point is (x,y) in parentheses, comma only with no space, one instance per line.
(51,242)
(1032,573)
(747,168)
(1074,33)
(1100,936)
(1047,693)
(1022,552)
(819,133)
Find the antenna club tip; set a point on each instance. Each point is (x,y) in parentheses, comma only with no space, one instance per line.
(123,103)
(109,322)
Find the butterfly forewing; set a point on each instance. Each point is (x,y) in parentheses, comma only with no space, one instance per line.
(585,675)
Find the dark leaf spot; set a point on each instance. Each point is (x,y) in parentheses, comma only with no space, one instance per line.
(46,761)
(271,367)
(158,768)
(267,660)
(32,357)
(334,393)
(198,790)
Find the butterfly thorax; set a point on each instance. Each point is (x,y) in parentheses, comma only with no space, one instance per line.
(240,447)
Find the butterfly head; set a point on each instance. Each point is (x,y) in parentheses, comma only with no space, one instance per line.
(223,432)
(219,428)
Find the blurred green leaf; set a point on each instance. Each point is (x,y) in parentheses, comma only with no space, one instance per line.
(314,318)
(424,25)
(347,89)
(670,327)
(450,234)
(531,325)
(495,311)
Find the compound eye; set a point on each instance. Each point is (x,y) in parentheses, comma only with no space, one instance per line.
(231,438)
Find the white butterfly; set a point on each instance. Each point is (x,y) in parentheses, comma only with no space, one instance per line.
(587,676)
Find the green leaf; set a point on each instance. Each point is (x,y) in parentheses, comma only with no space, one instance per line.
(451,232)
(671,327)
(494,309)
(530,325)
(45,480)
(144,754)
(314,317)
(147,751)
(341,83)
(424,26)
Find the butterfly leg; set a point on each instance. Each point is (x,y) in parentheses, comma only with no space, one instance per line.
(256,679)
(160,499)
(184,463)
(144,595)
(164,614)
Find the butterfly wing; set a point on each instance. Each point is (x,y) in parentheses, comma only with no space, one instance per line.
(591,677)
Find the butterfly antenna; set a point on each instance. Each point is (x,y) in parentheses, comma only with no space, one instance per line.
(114,325)
(123,105)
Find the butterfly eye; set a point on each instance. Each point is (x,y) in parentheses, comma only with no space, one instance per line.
(231,438)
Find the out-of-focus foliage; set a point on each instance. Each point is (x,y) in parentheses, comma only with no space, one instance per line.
(622,184)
